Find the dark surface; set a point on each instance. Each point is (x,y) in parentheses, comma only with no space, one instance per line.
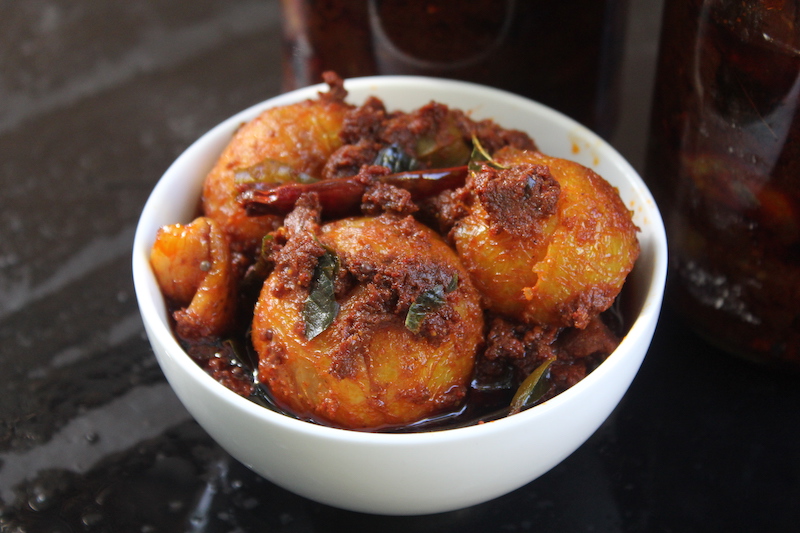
(96,100)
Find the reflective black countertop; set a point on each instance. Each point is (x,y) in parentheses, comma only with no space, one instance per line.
(96,100)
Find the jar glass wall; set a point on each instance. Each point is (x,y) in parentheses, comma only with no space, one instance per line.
(724,165)
(564,54)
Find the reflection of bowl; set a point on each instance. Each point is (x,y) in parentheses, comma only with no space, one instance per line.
(411,473)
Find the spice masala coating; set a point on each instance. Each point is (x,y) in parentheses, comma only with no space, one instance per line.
(385,270)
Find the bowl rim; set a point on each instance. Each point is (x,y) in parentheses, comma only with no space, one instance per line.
(155,319)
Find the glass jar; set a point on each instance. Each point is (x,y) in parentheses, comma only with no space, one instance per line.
(724,165)
(563,54)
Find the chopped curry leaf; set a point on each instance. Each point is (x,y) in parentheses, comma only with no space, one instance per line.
(261,266)
(395,159)
(443,148)
(321,307)
(453,285)
(241,357)
(480,155)
(532,389)
(428,301)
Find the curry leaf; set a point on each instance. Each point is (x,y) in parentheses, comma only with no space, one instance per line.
(395,159)
(480,155)
(259,270)
(453,285)
(445,147)
(532,389)
(428,301)
(240,356)
(321,307)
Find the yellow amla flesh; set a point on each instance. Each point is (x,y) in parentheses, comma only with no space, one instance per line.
(301,136)
(572,268)
(367,370)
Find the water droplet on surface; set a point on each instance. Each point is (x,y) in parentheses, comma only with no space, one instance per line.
(91,518)
(175,505)
(249,504)
(39,498)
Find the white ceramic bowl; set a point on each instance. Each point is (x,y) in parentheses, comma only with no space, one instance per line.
(413,473)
